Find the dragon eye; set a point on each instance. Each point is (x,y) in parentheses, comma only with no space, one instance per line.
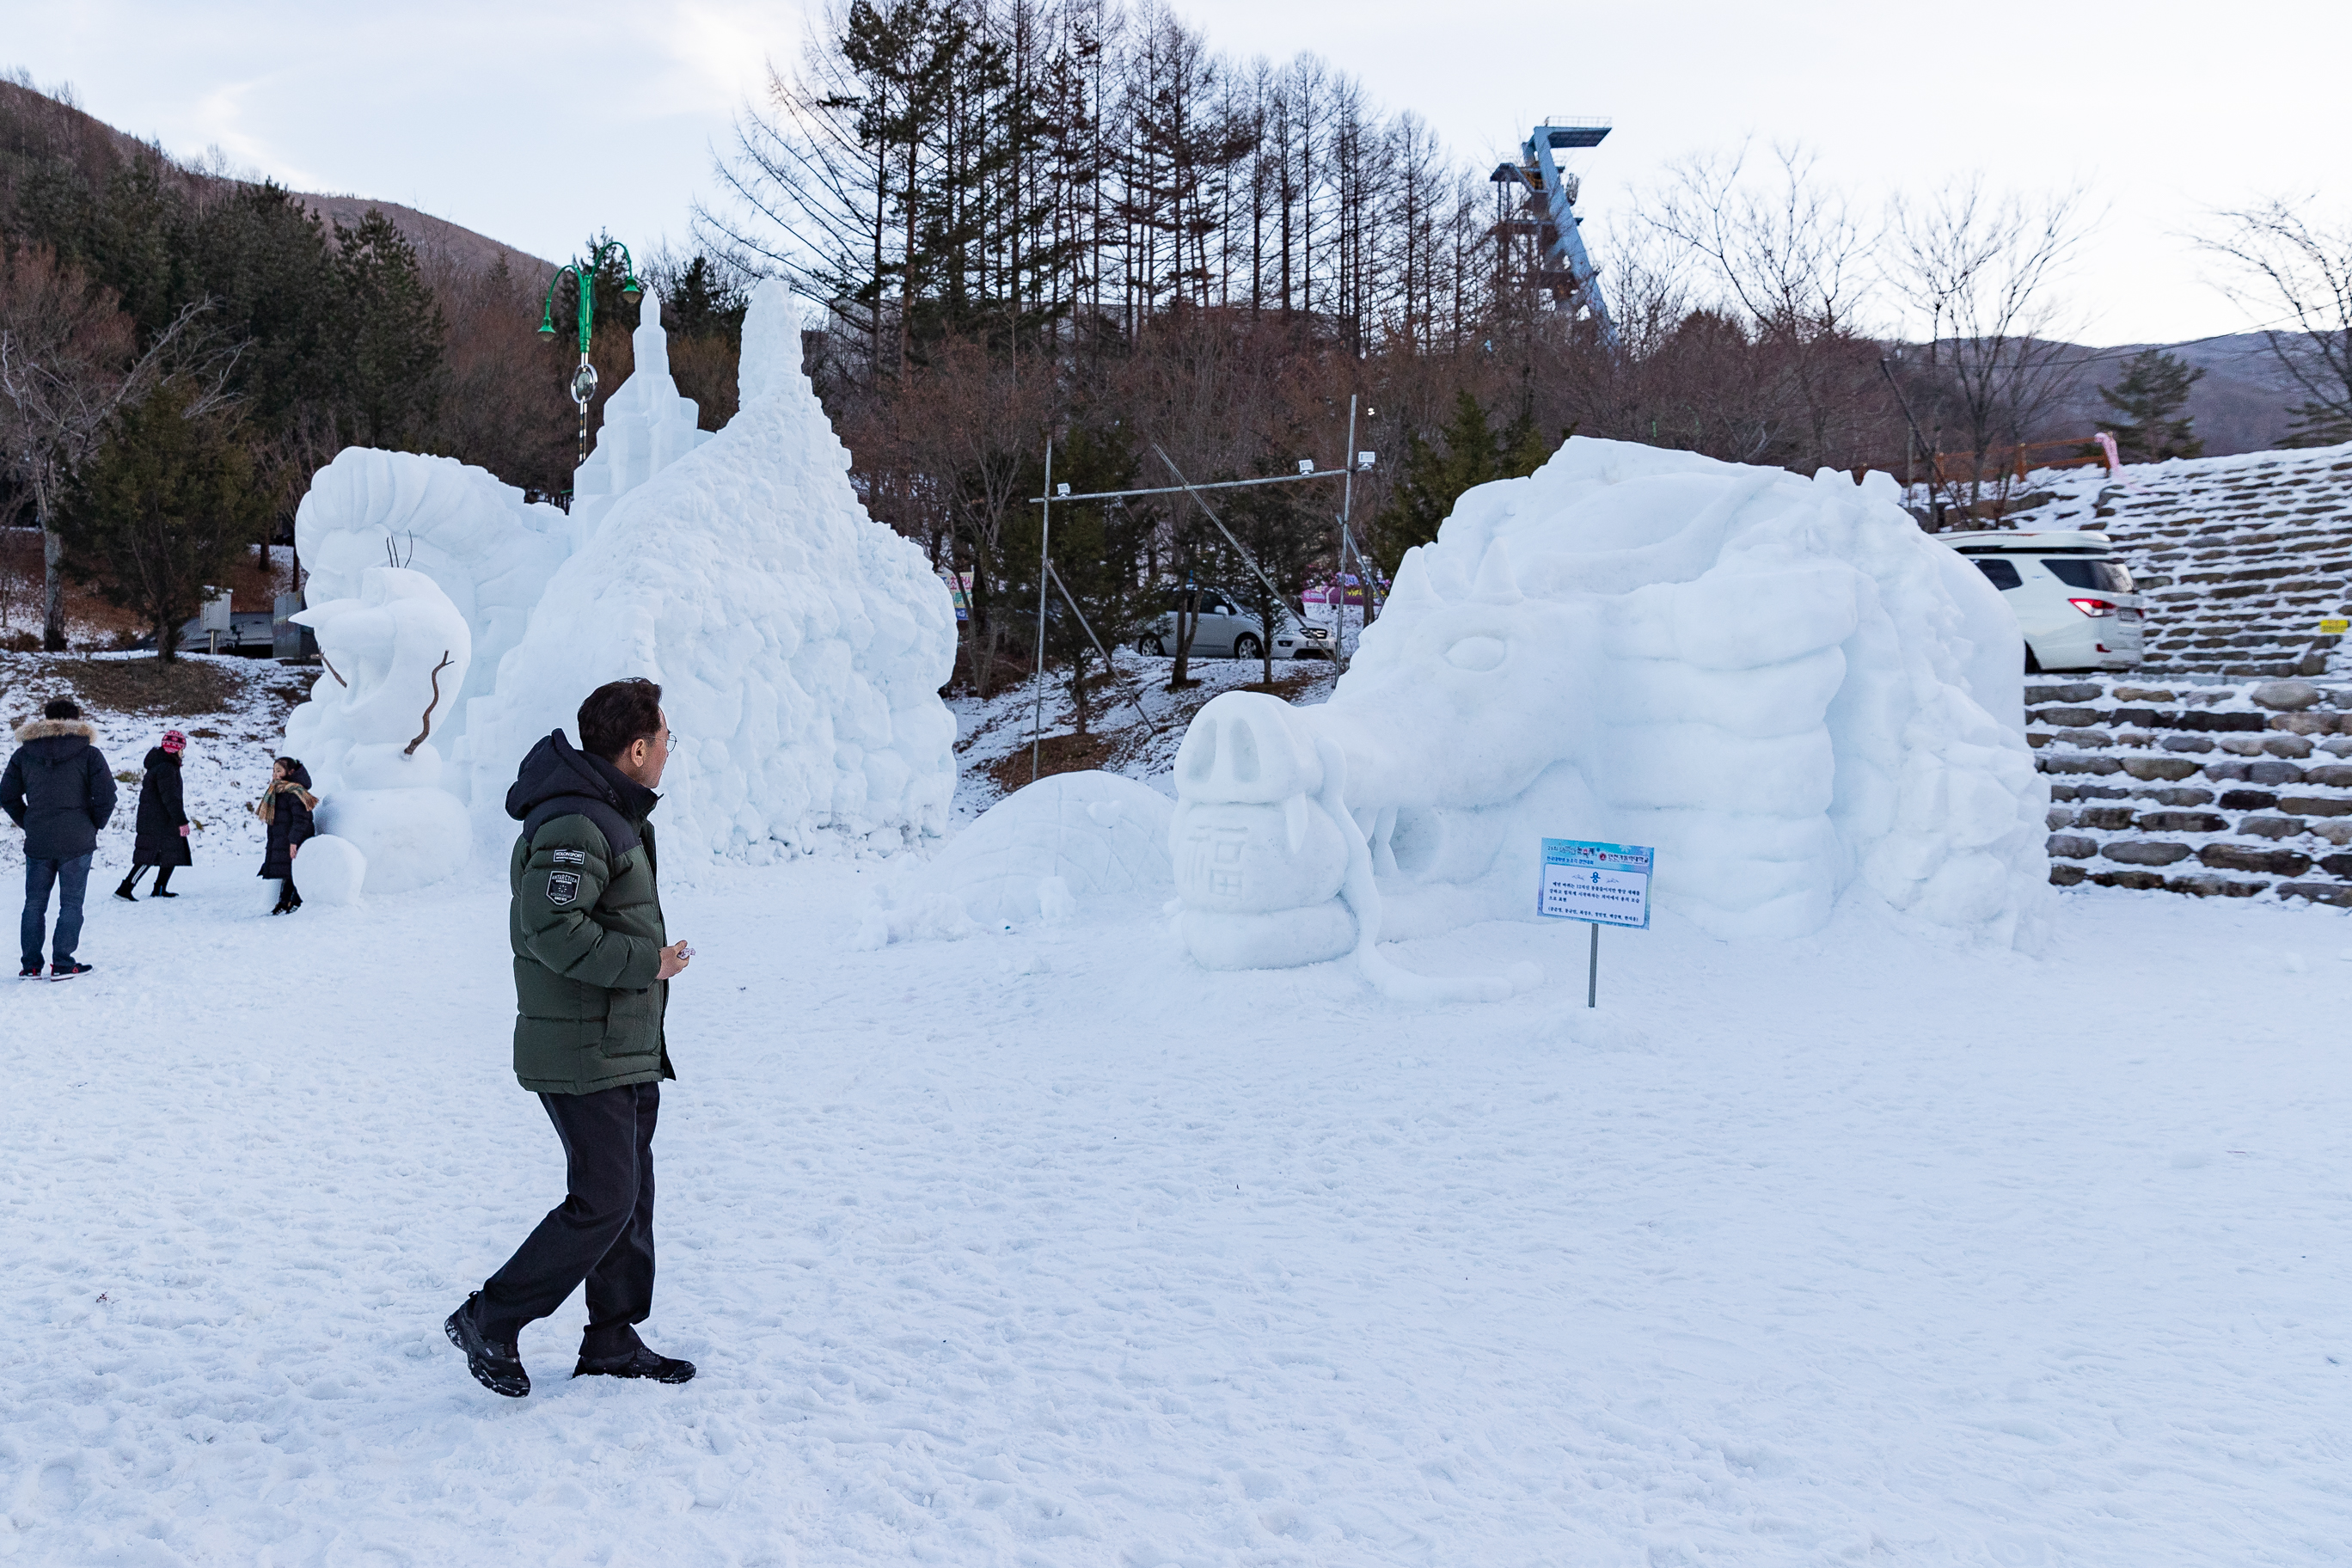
(1476,653)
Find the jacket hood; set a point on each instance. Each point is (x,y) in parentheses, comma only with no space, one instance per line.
(297,774)
(157,757)
(557,769)
(56,730)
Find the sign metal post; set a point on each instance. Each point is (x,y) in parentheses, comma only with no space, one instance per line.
(1601,884)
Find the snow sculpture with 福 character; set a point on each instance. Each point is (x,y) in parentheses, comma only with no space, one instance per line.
(1780,683)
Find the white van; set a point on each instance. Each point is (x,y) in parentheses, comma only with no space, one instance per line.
(2073,599)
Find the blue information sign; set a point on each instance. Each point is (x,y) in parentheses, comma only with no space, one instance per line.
(1606,884)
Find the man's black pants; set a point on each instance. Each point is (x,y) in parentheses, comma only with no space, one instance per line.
(603,1233)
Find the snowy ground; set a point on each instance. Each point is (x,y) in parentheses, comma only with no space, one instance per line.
(1050,1248)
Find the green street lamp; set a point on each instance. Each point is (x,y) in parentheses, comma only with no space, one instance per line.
(583,278)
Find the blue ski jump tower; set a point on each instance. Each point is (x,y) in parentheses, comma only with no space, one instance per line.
(1560,264)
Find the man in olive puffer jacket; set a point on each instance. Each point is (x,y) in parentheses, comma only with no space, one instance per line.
(593,966)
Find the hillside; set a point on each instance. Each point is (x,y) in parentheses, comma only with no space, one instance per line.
(35,114)
(2239,405)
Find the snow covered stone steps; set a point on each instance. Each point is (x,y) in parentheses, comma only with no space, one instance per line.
(2238,791)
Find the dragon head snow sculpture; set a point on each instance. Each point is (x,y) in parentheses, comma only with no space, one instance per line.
(1780,683)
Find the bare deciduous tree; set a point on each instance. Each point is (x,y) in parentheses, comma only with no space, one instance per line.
(1979,270)
(68,364)
(2283,267)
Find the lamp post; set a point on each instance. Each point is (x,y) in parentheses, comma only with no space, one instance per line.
(583,278)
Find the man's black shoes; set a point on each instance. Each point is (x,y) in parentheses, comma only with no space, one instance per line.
(493,1363)
(67,971)
(639,1361)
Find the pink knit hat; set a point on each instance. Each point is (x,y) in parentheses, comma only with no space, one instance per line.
(175,741)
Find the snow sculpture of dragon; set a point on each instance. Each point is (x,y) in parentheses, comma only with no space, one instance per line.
(1780,683)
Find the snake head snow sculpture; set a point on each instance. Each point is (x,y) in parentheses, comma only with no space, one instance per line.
(1780,683)
(395,657)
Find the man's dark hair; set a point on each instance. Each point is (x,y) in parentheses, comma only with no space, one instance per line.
(617,714)
(61,707)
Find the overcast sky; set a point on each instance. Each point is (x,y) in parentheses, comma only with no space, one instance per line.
(536,122)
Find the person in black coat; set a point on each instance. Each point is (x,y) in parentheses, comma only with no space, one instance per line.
(58,790)
(162,840)
(286,805)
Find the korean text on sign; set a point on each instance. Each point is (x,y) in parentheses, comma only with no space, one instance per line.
(1606,884)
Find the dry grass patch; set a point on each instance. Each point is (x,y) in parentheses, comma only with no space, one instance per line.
(117,685)
(1055,755)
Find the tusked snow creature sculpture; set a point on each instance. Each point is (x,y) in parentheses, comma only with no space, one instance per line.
(1779,682)
(395,657)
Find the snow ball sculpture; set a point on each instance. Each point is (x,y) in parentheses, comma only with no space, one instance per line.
(1780,683)
(1084,834)
(331,870)
(800,644)
(486,547)
(395,659)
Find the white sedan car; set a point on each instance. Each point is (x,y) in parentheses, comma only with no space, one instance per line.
(1229,631)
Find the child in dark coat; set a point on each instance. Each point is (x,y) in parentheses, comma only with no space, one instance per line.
(162,840)
(286,805)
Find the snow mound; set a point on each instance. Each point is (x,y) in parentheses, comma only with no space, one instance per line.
(331,870)
(800,644)
(1782,684)
(1070,837)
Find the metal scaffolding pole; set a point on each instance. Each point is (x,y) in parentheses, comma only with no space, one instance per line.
(1045,567)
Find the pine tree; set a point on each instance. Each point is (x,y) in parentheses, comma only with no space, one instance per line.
(164,508)
(2150,396)
(701,302)
(1097,550)
(1468,452)
(2317,424)
(1283,542)
(392,336)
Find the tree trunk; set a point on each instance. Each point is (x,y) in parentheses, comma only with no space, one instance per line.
(53,591)
(1188,623)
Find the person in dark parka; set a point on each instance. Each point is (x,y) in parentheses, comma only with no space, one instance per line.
(162,840)
(286,805)
(593,964)
(57,788)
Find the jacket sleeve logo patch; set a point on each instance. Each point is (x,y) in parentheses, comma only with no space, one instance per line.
(563,887)
(571,857)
